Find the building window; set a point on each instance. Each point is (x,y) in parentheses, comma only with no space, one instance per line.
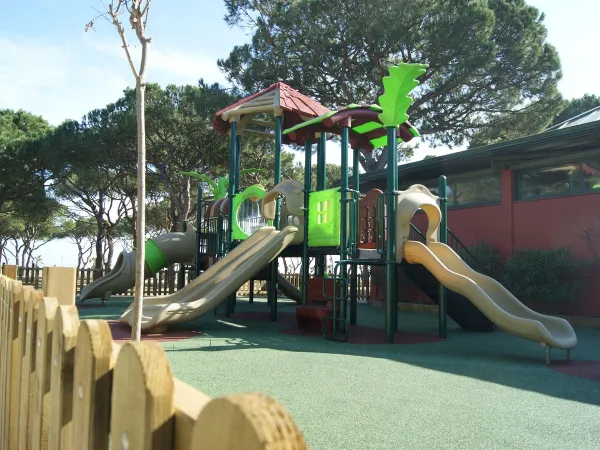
(562,179)
(471,191)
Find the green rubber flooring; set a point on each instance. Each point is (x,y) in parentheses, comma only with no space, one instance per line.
(471,391)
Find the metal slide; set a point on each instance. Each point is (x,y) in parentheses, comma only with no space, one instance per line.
(213,286)
(492,299)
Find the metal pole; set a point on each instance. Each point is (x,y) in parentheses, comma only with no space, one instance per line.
(307,183)
(321,185)
(443,311)
(344,215)
(238,158)
(273,285)
(391,306)
(232,176)
(181,278)
(354,281)
(198,255)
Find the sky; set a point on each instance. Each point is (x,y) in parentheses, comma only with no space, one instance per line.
(51,67)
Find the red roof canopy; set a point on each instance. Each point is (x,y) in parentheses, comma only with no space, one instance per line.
(296,107)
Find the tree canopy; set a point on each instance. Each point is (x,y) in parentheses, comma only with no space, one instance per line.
(576,106)
(490,67)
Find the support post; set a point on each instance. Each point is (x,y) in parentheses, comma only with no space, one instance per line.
(197,254)
(321,186)
(443,308)
(391,306)
(344,213)
(273,285)
(307,183)
(356,237)
(60,283)
(181,278)
(232,177)
(10,270)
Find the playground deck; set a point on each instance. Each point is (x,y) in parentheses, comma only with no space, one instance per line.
(488,390)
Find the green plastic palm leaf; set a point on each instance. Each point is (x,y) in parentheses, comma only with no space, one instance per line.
(395,100)
(199,176)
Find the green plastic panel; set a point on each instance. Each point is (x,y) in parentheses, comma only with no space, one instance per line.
(155,258)
(255,191)
(324,211)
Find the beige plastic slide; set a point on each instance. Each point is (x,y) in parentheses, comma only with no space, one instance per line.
(215,284)
(177,247)
(290,291)
(492,299)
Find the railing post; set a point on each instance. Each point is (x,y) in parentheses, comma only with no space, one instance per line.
(60,283)
(443,232)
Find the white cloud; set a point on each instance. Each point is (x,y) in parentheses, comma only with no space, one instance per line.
(53,80)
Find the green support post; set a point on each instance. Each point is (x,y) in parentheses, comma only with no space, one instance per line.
(354,281)
(344,214)
(443,311)
(391,306)
(197,255)
(181,278)
(307,182)
(321,186)
(238,158)
(273,285)
(233,175)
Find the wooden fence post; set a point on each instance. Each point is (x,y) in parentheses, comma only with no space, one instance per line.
(18,346)
(142,398)
(64,339)
(11,271)
(5,367)
(92,384)
(43,367)
(28,367)
(252,420)
(60,283)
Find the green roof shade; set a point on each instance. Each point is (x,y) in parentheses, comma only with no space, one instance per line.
(368,122)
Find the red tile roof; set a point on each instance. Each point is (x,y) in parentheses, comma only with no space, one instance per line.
(293,103)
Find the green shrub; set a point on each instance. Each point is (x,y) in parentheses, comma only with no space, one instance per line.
(547,277)
(488,259)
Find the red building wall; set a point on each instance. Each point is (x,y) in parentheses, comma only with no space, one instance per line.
(542,223)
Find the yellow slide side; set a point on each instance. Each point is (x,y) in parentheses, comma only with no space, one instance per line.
(490,297)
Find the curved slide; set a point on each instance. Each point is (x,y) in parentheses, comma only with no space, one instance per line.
(172,248)
(161,251)
(211,288)
(492,299)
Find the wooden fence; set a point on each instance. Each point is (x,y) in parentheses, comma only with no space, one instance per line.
(64,384)
(164,283)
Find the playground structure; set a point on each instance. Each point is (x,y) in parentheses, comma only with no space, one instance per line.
(239,237)
(64,383)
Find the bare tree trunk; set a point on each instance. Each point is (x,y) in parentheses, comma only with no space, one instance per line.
(140,254)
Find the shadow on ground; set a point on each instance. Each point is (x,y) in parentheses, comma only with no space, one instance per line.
(492,357)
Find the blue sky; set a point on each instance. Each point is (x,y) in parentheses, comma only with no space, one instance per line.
(51,67)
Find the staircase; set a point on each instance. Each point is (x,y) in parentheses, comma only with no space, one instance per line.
(460,309)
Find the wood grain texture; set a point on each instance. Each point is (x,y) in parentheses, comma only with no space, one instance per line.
(18,345)
(250,421)
(92,385)
(43,368)
(142,399)
(64,339)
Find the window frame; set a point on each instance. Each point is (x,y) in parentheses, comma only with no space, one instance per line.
(532,168)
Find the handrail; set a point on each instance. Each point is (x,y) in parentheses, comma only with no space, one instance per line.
(453,242)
